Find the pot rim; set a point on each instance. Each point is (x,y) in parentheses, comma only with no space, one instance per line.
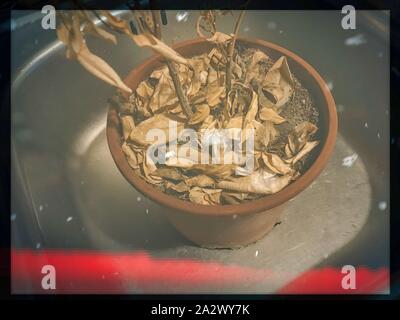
(254,206)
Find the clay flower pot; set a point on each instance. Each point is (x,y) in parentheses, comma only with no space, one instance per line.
(228,226)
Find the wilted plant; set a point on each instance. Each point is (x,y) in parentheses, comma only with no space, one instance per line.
(232,88)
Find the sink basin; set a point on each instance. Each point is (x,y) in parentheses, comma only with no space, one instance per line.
(68,195)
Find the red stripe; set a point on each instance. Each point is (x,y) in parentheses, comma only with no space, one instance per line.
(84,272)
(329,281)
(138,272)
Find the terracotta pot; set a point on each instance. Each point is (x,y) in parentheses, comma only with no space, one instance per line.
(227,226)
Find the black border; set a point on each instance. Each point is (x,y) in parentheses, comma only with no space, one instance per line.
(5,174)
(257,300)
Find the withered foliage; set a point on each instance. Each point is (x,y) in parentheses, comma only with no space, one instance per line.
(260,90)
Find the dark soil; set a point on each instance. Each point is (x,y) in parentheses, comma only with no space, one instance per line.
(298,109)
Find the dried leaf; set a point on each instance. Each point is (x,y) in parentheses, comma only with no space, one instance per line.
(100,69)
(116,22)
(201,113)
(206,22)
(180,187)
(304,130)
(94,64)
(218,59)
(219,38)
(253,68)
(278,82)
(203,77)
(209,123)
(91,28)
(300,135)
(250,115)
(164,94)
(127,125)
(185,156)
(216,170)
(233,197)
(193,159)
(200,181)
(251,110)
(63,34)
(205,196)
(157,73)
(150,41)
(145,39)
(144,90)
(215,93)
(169,173)
(235,122)
(149,168)
(158,122)
(260,182)
(288,152)
(276,164)
(215,90)
(264,134)
(196,76)
(180,162)
(131,156)
(263,101)
(271,115)
(236,70)
(305,150)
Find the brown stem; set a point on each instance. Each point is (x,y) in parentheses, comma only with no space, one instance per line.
(63,20)
(230,53)
(157,23)
(139,22)
(178,88)
(213,26)
(171,67)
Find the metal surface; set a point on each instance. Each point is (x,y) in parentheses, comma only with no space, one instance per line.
(68,193)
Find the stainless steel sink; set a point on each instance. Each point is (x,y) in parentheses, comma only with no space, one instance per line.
(68,194)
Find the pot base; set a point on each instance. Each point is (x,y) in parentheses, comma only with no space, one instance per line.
(225,232)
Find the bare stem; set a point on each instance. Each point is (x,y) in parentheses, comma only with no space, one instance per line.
(157,23)
(172,70)
(178,88)
(230,53)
